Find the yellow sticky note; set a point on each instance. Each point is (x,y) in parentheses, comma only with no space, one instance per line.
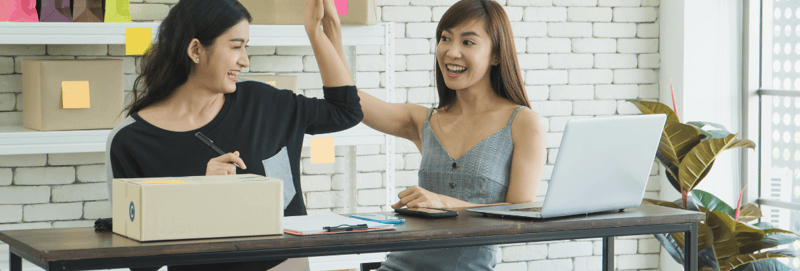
(164,182)
(137,40)
(322,150)
(75,94)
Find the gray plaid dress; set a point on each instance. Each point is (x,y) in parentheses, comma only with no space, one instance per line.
(479,176)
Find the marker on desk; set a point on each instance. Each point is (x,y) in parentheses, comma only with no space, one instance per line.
(210,143)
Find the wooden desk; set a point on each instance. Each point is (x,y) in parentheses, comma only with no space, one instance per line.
(84,249)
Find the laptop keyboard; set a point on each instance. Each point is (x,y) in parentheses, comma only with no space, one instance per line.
(534,209)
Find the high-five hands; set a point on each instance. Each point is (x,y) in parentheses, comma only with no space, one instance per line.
(416,196)
(315,10)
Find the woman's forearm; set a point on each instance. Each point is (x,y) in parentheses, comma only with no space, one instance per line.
(333,30)
(457,203)
(333,71)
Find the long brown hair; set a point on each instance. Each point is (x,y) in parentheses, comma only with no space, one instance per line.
(506,77)
(166,64)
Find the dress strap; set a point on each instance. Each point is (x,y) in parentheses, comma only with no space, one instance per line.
(428,118)
(514,114)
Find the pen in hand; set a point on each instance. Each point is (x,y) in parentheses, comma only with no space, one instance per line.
(210,143)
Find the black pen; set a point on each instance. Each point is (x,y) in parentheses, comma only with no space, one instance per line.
(210,143)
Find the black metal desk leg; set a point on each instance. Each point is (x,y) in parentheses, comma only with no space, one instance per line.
(15,262)
(690,241)
(608,253)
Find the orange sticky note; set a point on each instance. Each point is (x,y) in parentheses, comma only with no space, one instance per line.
(322,150)
(137,40)
(75,94)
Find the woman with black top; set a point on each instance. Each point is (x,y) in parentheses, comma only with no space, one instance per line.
(189,84)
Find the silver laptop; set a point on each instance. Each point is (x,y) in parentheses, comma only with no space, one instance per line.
(603,164)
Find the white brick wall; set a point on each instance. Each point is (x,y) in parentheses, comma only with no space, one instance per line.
(580,59)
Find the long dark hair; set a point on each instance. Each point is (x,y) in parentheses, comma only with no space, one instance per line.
(506,76)
(166,64)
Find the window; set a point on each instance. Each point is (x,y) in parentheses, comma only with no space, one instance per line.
(773,110)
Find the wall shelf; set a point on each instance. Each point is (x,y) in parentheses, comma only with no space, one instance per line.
(15,140)
(114,33)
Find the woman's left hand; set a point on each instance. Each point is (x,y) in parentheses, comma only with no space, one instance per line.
(416,196)
(313,14)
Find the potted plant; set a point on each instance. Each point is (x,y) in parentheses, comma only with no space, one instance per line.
(725,240)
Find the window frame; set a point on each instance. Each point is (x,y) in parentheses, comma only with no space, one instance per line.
(754,20)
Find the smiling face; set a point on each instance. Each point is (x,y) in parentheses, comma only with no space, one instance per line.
(220,64)
(464,55)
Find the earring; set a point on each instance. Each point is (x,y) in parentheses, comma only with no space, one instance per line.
(197,60)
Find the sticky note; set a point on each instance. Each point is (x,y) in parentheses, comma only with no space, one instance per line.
(164,182)
(137,40)
(341,6)
(75,94)
(322,150)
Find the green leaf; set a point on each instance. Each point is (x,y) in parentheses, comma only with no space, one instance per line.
(705,237)
(655,108)
(763,265)
(662,203)
(673,179)
(720,132)
(749,212)
(772,238)
(677,140)
(711,202)
(739,260)
(730,235)
(706,258)
(764,225)
(699,159)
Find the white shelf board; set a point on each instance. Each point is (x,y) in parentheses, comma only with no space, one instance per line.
(16,140)
(114,33)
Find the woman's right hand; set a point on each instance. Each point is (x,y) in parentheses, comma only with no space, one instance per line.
(222,165)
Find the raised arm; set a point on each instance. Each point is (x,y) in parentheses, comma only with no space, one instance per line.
(334,72)
(403,120)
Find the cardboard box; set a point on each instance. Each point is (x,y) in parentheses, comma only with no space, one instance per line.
(151,209)
(43,102)
(291,12)
(279,81)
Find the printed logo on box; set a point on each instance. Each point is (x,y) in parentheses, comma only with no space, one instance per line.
(132,211)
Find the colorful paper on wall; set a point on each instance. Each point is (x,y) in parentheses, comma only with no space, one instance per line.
(137,40)
(55,11)
(87,10)
(75,94)
(118,11)
(18,11)
(322,150)
(341,6)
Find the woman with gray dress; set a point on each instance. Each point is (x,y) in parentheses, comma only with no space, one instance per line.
(482,145)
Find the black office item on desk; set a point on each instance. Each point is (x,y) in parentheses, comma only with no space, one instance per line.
(426,212)
(103,224)
(345,227)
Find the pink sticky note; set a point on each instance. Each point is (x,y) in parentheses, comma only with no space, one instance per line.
(341,6)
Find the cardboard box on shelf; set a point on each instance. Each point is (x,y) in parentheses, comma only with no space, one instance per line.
(152,209)
(290,12)
(279,81)
(72,94)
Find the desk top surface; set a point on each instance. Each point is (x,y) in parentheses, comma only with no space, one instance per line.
(85,243)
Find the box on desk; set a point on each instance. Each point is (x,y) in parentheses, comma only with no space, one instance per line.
(72,94)
(151,209)
(291,12)
(279,81)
